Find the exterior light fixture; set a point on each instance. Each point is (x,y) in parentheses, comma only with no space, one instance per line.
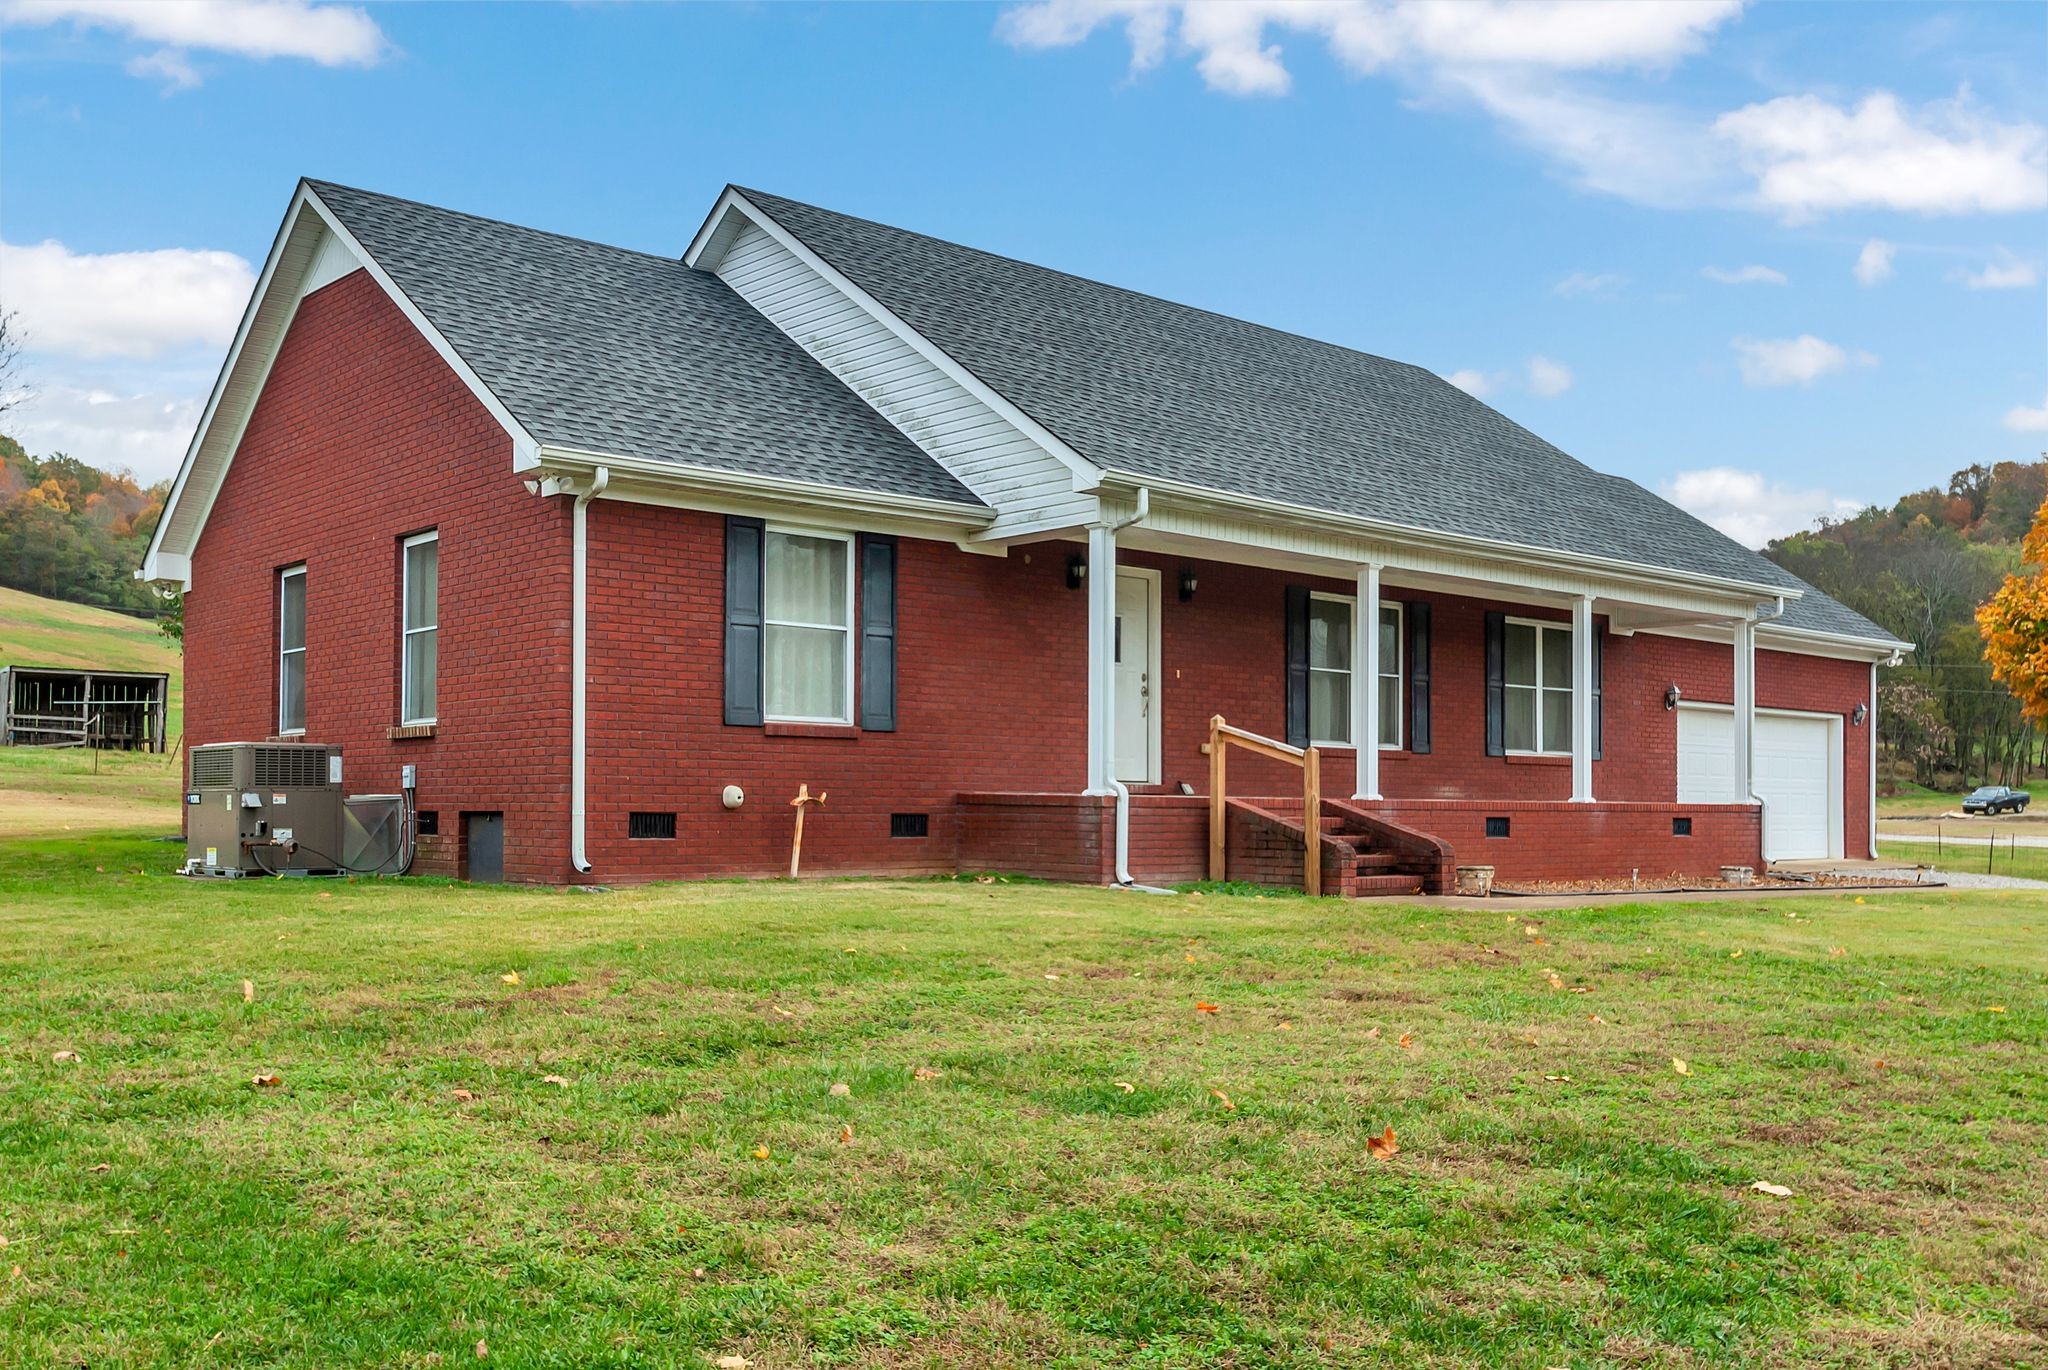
(1187,586)
(1671,697)
(1077,571)
(1858,714)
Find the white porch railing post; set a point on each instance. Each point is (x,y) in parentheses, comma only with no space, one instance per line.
(1365,682)
(1582,700)
(1745,710)
(1101,591)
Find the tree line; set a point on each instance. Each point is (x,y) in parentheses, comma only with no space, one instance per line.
(73,532)
(1921,569)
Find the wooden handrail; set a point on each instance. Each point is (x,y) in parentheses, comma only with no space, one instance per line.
(1221,738)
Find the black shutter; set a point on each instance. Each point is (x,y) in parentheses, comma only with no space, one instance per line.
(1297,665)
(1599,672)
(1416,611)
(1496,682)
(878,633)
(743,632)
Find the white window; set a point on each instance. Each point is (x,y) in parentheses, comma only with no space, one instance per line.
(420,646)
(807,604)
(1329,671)
(1538,677)
(291,650)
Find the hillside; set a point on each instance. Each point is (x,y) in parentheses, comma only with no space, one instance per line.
(44,791)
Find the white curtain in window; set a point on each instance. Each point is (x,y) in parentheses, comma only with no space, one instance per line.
(807,627)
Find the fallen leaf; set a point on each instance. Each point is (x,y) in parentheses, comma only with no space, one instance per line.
(1206,1007)
(1383,1146)
(1286,1026)
(697,1273)
(1556,982)
(102,1168)
(1859,899)
(483,1348)
(924,1073)
(846,1135)
(840,1089)
(781,1012)
(1766,1187)
(741,1362)
(1882,1064)
(1538,941)
(1838,951)
(554,1080)
(510,977)
(1735,955)
(266,1081)
(60,1057)
(248,991)
(760,1153)
(1995,1008)
(1191,958)
(462,1095)
(1488,950)
(1223,1098)
(1372,1032)
(1582,989)
(1681,1067)
(1559,1079)
(1595,1018)
(1126,1086)
(1408,1041)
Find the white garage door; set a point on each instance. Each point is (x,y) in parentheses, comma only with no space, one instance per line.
(1795,775)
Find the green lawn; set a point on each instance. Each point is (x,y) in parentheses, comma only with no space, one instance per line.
(1561,1196)
(1996,858)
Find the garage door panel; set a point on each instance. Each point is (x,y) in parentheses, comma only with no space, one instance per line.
(1793,775)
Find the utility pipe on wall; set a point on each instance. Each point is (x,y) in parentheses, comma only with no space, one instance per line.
(579,683)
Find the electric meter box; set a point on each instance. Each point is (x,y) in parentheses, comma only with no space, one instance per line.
(264,808)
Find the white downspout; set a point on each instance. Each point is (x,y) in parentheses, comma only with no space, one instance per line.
(1108,694)
(579,684)
(1747,733)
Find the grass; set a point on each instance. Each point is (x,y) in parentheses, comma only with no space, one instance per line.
(692,1192)
(1998,857)
(44,790)
(1913,800)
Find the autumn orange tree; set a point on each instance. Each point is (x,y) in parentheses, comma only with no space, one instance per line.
(2014,624)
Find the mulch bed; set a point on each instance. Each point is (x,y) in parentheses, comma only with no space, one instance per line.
(1683,884)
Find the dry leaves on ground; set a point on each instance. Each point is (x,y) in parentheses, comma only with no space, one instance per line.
(461,1096)
(1408,1041)
(1775,1190)
(924,1073)
(1680,1066)
(840,1089)
(760,1153)
(63,1057)
(1224,1099)
(248,991)
(1206,1007)
(1383,1146)
(554,1080)
(266,1081)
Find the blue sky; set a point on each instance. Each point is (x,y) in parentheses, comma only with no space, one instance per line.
(1635,228)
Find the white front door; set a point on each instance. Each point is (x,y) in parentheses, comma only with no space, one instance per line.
(1137,677)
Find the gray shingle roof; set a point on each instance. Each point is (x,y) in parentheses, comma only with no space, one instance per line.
(1151,388)
(628,354)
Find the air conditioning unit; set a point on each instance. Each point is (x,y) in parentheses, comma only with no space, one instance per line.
(264,808)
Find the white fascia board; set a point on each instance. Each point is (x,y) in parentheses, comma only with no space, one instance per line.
(1797,641)
(1086,474)
(1395,536)
(162,563)
(646,481)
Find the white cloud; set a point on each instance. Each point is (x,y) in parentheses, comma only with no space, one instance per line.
(1793,361)
(2022,418)
(2007,273)
(1228,37)
(331,35)
(146,433)
(1811,157)
(1743,275)
(1874,262)
(1587,283)
(123,304)
(1750,508)
(1548,378)
(1474,383)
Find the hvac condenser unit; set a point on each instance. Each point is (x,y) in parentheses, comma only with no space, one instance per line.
(264,808)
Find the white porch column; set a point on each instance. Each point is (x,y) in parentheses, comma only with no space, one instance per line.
(1745,708)
(1582,700)
(1101,592)
(1365,681)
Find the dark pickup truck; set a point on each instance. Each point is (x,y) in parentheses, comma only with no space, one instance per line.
(1995,799)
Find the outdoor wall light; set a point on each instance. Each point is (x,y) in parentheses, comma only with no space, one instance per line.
(1077,571)
(1187,586)
(1671,698)
(1858,714)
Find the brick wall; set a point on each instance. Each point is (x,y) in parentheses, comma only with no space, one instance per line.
(363,436)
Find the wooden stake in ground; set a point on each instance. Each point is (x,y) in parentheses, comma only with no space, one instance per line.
(803,799)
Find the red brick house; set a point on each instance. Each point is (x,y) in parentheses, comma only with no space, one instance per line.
(590,536)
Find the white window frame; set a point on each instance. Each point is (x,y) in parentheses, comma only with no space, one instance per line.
(406,629)
(1398,672)
(845,717)
(299,651)
(1539,624)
